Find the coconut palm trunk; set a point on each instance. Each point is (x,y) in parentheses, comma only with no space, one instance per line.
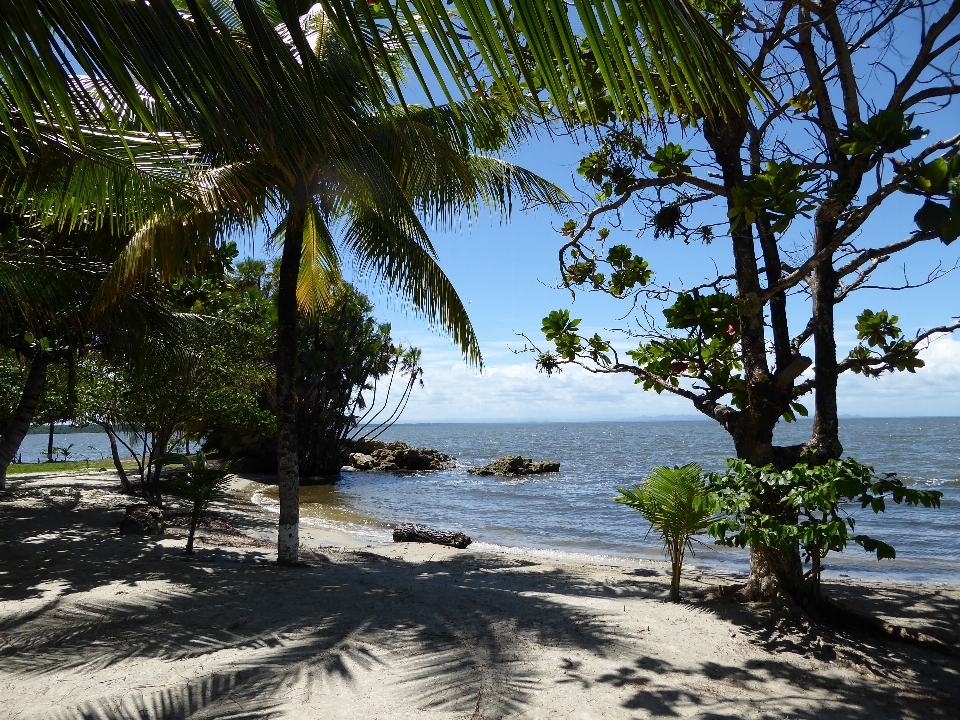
(14,433)
(288,462)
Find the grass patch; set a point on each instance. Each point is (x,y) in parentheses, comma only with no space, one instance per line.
(68,466)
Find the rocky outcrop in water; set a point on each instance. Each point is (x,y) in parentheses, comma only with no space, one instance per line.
(513,465)
(396,457)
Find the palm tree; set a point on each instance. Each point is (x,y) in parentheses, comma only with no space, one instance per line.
(181,54)
(364,193)
(291,111)
(677,505)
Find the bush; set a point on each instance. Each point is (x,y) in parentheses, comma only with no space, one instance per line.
(677,504)
(767,508)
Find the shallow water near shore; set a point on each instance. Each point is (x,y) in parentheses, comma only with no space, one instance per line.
(571,513)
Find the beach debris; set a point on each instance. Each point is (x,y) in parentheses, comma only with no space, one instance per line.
(512,465)
(142,520)
(396,457)
(61,498)
(409,532)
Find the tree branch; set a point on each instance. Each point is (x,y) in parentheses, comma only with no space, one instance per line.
(930,93)
(923,56)
(883,362)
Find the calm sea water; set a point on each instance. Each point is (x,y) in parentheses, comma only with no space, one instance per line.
(572,513)
(80,446)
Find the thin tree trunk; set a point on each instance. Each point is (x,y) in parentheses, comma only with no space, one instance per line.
(159,449)
(115,453)
(194,521)
(677,567)
(288,471)
(50,444)
(20,424)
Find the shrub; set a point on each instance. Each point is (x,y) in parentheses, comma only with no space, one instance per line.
(677,504)
(767,508)
(201,484)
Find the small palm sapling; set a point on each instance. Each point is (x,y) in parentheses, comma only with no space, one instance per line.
(201,484)
(676,503)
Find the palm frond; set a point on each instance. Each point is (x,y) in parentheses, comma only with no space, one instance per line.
(399,260)
(201,71)
(674,501)
(319,264)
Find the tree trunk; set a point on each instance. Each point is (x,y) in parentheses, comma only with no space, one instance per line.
(194,521)
(50,444)
(17,429)
(161,441)
(826,423)
(288,471)
(676,566)
(776,574)
(115,453)
(771,569)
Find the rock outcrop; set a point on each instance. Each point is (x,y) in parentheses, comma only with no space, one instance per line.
(396,457)
(513,465)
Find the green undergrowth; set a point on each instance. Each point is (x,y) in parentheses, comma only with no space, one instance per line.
(66,466)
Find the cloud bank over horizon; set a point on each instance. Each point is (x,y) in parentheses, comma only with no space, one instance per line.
(511,390)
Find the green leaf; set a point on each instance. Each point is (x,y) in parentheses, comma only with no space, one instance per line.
(932,216)
(882,549)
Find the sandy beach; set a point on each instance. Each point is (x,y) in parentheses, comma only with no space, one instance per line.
(98,625)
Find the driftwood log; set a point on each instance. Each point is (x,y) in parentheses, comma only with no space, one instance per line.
(421,533)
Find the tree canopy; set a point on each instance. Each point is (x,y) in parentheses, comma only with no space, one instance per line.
(795,184)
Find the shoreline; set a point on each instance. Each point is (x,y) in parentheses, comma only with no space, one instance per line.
(368,532)
(94,624)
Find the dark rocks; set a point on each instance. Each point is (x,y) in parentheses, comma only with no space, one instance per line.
(513,465)
(142,520)
(423,534)
(396,457)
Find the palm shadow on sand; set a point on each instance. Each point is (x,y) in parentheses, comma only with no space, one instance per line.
(449,632)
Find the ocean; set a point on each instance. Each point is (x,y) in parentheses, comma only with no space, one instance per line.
(92,446)
(572,514)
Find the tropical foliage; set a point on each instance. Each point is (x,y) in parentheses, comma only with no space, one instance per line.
(351,379)
(799,183)
(171,124)
(49,282)
(201,484)
(162,50)
(770,509)
(677,504)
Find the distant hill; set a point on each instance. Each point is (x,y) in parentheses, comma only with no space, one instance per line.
(63,430)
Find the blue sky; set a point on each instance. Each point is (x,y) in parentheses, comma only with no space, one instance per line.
(504,272)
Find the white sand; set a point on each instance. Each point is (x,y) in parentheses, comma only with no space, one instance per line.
(95,625)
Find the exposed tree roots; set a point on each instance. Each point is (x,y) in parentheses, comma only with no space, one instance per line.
(827,611)
(835,613)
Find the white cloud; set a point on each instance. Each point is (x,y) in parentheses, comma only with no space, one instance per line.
(511,389)
(515,391)
(932,390)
